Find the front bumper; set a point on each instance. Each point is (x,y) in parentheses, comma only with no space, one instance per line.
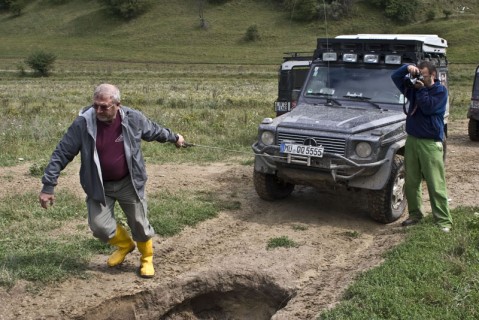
(332,166)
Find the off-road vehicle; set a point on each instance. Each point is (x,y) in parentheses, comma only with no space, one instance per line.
(473,112)
(291,76)
(348,128)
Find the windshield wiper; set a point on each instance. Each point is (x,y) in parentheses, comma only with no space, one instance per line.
(363,98)
(328,96)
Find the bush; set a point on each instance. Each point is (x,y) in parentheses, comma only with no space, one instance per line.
(446,13)
(21,69)
(430,15)
(127,9)
(41,62)
(252,33)
(335,9)
(217,1)
(17,7)
(399,10)
(302,10)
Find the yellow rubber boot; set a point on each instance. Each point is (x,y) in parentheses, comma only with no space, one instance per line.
(146,261)
(125,245)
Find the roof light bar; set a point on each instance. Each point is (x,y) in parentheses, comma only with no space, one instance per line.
(371,58)
(350,57)
(330,56)
(392,59)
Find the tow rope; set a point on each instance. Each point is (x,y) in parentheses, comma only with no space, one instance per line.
(189,145)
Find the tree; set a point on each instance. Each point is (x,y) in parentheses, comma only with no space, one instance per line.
(41,62)
(203,22)
(399,10)
(127,9)
(446,13)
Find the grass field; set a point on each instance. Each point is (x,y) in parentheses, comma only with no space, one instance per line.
(80,31)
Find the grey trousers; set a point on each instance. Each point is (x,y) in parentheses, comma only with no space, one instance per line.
(101,219)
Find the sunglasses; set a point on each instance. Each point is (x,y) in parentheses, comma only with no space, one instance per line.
(102,107)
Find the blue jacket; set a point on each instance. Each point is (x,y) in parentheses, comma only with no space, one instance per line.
(81,137)
(427,122)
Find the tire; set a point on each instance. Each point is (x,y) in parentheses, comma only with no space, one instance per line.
(389,204)
(270,187)
(473,129)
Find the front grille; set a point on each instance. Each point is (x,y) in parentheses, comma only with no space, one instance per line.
(330,144)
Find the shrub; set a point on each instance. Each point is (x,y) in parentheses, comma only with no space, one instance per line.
(16,7)
(21,69)
(217,1)
(430,15)
(252,33)
(127,9)
(302,10)
(446,13)
(41,62)
(399,10)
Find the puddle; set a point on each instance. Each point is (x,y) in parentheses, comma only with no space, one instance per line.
(226,295)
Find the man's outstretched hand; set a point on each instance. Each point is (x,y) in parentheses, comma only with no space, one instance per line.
(46,199)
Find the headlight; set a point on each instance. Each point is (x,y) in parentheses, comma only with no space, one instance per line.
(363,149)
(267,138)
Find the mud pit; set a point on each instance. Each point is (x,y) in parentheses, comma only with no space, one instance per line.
(221,269)
(214,295)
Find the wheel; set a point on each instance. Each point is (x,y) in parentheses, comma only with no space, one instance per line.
(473,129)
(388,205)
(270,187)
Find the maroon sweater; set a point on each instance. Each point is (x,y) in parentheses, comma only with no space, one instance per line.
(109,143)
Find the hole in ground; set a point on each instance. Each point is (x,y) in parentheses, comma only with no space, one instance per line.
(211,295)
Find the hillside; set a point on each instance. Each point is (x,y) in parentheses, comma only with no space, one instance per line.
(170,32)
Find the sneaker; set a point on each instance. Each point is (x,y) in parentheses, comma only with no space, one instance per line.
(445,229)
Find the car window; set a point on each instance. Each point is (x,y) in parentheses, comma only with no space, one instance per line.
(340,82)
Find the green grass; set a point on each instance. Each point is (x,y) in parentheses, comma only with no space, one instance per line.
(81,31)
(281,242)
(37,246)
(432,275)
(221,111)
(31,247)
(169,214)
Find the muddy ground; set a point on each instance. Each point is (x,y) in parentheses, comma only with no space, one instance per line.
(222,269)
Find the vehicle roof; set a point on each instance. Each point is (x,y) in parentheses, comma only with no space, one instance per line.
(431,42)
(288,65)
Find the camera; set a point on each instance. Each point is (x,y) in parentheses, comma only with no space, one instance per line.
(411,80)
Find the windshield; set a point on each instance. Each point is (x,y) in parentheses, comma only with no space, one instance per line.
(339,82)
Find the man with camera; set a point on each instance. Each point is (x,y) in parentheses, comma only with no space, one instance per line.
(423,158)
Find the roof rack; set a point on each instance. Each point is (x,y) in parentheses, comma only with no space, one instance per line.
(297,56)
(430,42)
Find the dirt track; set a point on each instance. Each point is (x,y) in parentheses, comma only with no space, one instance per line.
(225,259)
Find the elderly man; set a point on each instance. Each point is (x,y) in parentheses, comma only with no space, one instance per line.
(108,135)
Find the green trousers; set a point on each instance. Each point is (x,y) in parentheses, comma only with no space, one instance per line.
(424,159)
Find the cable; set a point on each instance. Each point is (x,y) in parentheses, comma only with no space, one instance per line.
(189,145)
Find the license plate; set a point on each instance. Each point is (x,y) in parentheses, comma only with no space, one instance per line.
(281,106)
(302,150)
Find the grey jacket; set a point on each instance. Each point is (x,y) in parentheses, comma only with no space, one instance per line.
(81,137)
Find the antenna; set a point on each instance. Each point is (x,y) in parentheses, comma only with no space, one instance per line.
(325,21)
(327,45)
